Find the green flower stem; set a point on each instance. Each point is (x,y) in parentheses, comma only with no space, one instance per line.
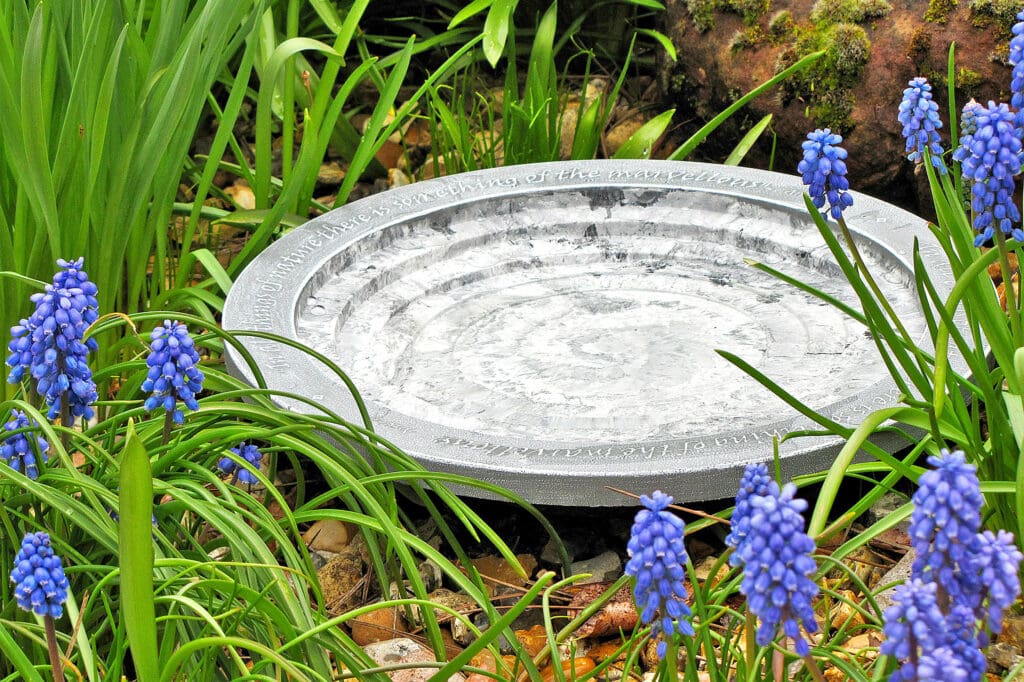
(65,417)
(812,668)
(51,645)
(168,427)
(1011,295)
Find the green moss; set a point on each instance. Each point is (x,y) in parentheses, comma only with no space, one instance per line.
(834,110)
(781,27)
(702,13)
(1002,12)
(752,10)
(967,80)
(848,11)
(919,46)
(750,37)
(827,86)
(939,10)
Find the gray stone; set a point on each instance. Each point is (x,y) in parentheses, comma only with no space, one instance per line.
(894,577)
(554,328)
(1001,657)
(404,650)
(605,567)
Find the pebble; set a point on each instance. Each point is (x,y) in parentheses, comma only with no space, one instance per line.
(402,651)
(604,567)
(329,535)
(377,626)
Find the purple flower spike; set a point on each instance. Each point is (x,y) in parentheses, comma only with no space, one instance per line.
(944,524)
(913,623)
(755,481)
(920,118)
(997,560)
(824,172)
(49,343)
(173,374)
(778,562)
(942,665)
(656,559)
(1016,59)
(251,454)
(990,159)
(38,577)
(17,451)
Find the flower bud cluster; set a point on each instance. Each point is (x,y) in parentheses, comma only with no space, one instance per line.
(17,450)
(962,579)
(656,559)
(172,374)
(248,452)
(49,344)
(38,577)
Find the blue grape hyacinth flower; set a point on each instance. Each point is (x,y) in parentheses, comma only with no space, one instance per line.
(172,374)
(251,454)
(914,623)
(942,665)
(968,126)
(755,481)
(17,451)
(997,560)
(944,525)
(919,115)
(38,576)
(1016,59)
(49,344)
(656,559)
(823,169)
(778,562)
(990,160)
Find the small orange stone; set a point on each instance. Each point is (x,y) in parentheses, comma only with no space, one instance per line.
(572,669)
(533,639)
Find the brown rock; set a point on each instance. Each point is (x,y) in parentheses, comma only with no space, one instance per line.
(241,194)
(710,71)
(342,581)
(329,535)
(1013,631)
(496,571)
(331,174)
(377,625)
(389,153)
(622,131)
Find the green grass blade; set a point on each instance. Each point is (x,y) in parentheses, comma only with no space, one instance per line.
(741,149)
(640,143)
(16,657)
(135,547)
(687,147)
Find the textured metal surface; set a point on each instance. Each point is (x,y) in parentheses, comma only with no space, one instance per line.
(552,328)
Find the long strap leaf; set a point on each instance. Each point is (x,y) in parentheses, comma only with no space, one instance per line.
(135,542)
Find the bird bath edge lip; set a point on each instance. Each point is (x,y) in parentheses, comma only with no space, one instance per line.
(562,222)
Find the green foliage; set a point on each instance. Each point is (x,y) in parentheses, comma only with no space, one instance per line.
(99,105)
(258,603)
